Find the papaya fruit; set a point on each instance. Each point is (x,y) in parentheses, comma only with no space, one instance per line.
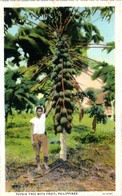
(58,67)
(55,97)
(57,117)
(56,123)
(68,128)
(69,65)
(69,117)
(63,121)
(55,60)
(60,101)
(64,50)
(69,111)
(54,75)
(63,112)
(61,94)
(59,129)
(65,55)
(58,109)
(68,85)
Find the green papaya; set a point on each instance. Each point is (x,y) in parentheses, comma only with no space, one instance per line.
(67,92)
(64,50)
(57,116)
(63,121)
(63,112)
(66,55)
(54,75)
(58,67)
(59,129)
(68,128)
(58,85)
(67,99)
(69,111)
(69,105)
(74,72)
(63,39)
(69,117)
(56,123)
(60,101)
(55,60)
(68,85)
(64,70)
(61,94)
(60,60)
(56,96)
(69,65)
(58,109)
(58,53)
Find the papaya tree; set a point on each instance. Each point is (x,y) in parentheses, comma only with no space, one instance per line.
(56,46)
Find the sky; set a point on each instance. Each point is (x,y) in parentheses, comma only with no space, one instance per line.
(107,30)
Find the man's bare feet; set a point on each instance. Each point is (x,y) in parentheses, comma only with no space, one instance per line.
(38,168)
(46,166)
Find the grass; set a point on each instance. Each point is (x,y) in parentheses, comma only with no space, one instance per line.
(18,143)
(92,154)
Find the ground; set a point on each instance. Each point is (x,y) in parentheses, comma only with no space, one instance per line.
(62,176)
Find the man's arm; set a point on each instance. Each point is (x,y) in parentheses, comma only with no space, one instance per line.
(47,113)
(48,108)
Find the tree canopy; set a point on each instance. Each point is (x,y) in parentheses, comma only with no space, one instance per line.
(50,49)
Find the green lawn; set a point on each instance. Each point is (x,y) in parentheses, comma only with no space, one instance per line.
(81,140)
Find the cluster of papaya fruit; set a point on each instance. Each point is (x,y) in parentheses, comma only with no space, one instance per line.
(63,88)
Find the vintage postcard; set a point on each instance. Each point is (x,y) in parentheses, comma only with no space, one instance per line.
(61,111)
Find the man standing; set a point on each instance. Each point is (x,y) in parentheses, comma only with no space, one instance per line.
(39,137)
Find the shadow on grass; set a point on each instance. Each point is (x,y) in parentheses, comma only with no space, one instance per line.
(81,128)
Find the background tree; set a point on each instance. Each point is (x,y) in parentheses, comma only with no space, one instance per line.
(107,73)
(17,93)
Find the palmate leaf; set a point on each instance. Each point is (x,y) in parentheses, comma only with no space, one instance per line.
(105,12)
(111,47)
(105,72)
(11,49)
(12,16)
(31,47)
(28,43)
(88,27)
(8,95)
(97,38)
(92,33)
(95,29)
(40,38)
(9,91)
(12,43)
(22,99)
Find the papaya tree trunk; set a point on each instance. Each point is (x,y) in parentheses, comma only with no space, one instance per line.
(63,150)
(94,123)
(112,112)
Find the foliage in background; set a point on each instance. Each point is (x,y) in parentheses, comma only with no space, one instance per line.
(17,94)
(107,73)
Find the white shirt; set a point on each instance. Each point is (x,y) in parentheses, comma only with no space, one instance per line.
(39,124)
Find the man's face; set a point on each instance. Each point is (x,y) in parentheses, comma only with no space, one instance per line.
(39,112)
